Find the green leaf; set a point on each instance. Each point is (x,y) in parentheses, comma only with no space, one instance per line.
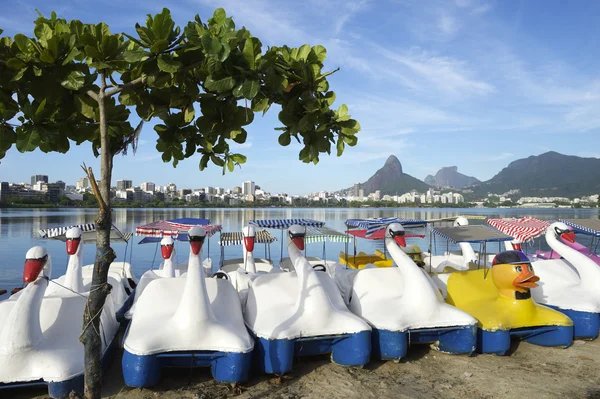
(340,147)
(204,161)
(284,139)
(248,53)
(230,164)
(330,98)
(162,24)
(73,81)
(7,138)
(238,158)
(166,63)
(23,42)
(219,15)
(342,111)
(221,85)
(211,45)
(303,52)
(217,161)
(250,88)
(134,55)
(40,107)
(28,138)
(319,52)
(159,46)
(44,33)
(260,105)
(85,106)
(351,140)
(189,113)
(15,64)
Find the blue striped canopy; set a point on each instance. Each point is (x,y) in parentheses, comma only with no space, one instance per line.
(376,224)
(585,226)
(285,223)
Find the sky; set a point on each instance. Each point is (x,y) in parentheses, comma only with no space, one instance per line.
(471,83)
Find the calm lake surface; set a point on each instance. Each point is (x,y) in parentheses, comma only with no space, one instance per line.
(19,232)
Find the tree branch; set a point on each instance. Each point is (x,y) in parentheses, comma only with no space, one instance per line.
(92,94)
(90,174)
(127,85)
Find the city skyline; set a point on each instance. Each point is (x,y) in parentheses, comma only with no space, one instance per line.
(470,83)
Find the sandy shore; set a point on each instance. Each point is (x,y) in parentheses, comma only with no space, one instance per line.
(529,372)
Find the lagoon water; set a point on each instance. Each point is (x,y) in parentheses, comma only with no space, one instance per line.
(19,231)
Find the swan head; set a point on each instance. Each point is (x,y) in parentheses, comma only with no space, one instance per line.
(37,261)
(196,235)
(296,233)
(512,272)
(249,233)
(396,232)
(461,221)
(563,231)
(166,247)
(73,242)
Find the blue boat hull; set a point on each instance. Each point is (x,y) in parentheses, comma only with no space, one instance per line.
(498,342)
(586,324)
(276,356)
(393,345)
(145,370)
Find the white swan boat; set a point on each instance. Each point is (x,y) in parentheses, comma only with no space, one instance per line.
(78,277)
(570,284)
(40,328)
(242,271)
(188,321)
(302,312)
(403,305)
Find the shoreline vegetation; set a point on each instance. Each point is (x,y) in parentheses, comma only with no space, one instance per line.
(89,201)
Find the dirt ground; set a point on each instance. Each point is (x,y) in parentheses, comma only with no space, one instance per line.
(529,372)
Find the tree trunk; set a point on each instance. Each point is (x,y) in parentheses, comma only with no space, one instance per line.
(91,336)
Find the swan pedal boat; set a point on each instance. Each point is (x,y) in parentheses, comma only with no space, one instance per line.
(166,233)
(589,227)
(188,321)
(403,305)
(40,326)
(501,298)
(302,312)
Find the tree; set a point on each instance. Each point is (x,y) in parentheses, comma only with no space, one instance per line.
(73,83)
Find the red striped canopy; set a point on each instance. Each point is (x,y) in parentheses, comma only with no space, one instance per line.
(173,228)
(523,230)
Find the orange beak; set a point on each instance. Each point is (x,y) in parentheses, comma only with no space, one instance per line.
(32,269)
(400,240)
(72,245)
(526,279)
(299,242)
(166,251)
(569,236)
(249,243)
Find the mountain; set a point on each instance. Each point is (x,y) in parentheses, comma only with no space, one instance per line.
(390,179)
(548,174)
(450,177)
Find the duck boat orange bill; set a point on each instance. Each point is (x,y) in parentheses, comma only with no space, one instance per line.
(500,298)
(570,280)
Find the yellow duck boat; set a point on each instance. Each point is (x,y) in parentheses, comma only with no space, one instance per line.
(501,302)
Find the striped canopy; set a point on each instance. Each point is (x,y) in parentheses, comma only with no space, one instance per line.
(453,218)
(89,233)
(472,234)
(322,234)
(176,228)
(375,225)
(523,229)
(379,234)
(285,223)
(585,226)
(237,238)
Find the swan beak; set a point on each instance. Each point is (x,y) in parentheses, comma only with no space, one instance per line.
(33,268)
(196,246)
(166,251)
(299,242)
(249,243)
(72,246)
(400,240)
(526,279)
(569,236)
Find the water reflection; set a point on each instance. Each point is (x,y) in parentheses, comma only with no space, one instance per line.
(19,227)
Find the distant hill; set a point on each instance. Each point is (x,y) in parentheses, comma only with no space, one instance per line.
(548,174)
(450,177)
(391,180)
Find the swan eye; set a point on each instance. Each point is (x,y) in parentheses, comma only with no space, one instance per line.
(519,269)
